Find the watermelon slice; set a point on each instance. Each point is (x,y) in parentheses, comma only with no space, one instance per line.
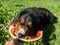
(38,35)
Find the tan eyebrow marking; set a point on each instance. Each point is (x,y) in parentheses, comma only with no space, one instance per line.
(23,21)
(29,23)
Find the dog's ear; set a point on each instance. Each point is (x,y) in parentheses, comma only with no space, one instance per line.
(52,18)
(16,18)
(22,12)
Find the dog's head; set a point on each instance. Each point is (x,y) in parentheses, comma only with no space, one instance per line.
(24,24)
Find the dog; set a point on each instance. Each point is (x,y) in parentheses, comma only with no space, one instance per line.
(29,20)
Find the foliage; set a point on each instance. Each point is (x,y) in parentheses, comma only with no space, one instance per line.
(10,8)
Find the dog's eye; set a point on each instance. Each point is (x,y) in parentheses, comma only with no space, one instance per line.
(22,23)
(29,24)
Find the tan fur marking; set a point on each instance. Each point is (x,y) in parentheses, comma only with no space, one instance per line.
(29,23)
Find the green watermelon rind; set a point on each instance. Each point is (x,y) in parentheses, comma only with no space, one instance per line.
(14,37)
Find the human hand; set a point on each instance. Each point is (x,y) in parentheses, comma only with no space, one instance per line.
(13,42)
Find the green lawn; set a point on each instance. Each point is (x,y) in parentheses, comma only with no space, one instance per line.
(9,8)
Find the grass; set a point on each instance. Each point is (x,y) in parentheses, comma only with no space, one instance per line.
(10,8)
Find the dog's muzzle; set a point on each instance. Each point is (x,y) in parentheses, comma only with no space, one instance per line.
(21,32)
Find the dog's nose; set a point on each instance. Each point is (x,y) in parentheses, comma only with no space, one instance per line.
(20,35)
(21,32)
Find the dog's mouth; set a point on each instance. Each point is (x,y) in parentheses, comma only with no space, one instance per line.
(22,27)
(21,32)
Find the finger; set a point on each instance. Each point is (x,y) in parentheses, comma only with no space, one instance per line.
(9,42)
(6,43)
(15,39)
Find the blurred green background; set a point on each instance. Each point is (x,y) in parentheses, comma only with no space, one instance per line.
(10,8)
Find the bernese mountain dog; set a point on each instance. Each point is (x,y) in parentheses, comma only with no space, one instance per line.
(29,20)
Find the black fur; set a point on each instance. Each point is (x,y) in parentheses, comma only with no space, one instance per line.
(40,17)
